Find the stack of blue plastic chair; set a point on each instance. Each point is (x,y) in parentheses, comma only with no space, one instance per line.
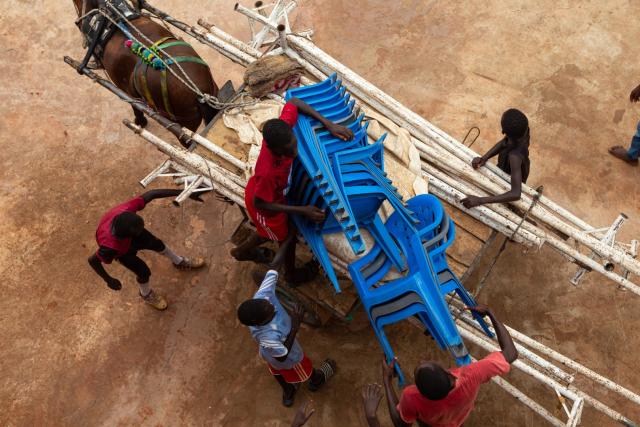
(347,179)
(420,292)
(344,177)
(436,239)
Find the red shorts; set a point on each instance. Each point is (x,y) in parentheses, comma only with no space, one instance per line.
(299,373)
(274,227)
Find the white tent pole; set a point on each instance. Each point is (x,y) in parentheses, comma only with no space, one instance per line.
(313,53)
(309,48)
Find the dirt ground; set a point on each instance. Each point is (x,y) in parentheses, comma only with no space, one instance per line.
(74,353)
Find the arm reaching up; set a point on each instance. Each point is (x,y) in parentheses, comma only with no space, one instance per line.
(296,318)
(339,131)
(371,396)
(392,399)
(305,411)
(504,339)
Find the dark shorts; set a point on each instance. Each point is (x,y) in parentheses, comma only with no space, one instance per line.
(145,241)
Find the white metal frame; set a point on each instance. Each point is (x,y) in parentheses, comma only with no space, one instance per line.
(608,238)
(192,183)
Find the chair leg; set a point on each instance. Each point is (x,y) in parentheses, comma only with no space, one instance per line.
(386,348)
(468,300)
(383,238)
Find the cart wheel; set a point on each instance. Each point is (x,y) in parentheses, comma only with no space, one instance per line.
(288,301)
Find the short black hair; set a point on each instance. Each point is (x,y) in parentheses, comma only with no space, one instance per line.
(123,224)
(514,123)
(277,133)
(254,312)
(433,381)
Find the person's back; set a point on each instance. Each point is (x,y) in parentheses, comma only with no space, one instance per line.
(445,398)
(459,402)
(519,149)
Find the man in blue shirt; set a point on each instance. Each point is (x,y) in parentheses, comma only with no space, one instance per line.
(275,332)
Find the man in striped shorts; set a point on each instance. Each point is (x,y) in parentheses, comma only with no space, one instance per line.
(275,332)
(265,194)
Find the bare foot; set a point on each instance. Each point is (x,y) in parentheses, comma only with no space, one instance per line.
(621,153)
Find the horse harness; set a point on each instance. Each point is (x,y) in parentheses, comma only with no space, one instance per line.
(141,69)
(98,31)
(93,31)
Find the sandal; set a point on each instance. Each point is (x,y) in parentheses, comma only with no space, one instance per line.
(190,263)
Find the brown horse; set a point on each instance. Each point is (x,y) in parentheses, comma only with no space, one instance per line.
(175,101)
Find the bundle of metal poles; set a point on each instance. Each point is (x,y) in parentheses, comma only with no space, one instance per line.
(445,161)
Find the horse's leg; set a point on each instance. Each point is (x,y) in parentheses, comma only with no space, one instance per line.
(141,120)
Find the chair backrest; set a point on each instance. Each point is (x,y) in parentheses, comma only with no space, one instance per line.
(438,245)
(309,91)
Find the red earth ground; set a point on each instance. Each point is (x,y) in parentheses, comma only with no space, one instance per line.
(75,353)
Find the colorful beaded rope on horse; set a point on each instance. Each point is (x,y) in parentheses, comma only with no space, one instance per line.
(148,56)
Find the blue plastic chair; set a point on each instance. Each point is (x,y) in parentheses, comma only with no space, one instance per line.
(387,307)
(437,232)
(416,293)
(364,202)
(366,160)
(313,90)
(336,92)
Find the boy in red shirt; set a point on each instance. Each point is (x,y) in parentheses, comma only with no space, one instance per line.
(121,234)
(445,398)
(265,194)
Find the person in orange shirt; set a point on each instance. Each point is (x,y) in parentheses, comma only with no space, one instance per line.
(445,398)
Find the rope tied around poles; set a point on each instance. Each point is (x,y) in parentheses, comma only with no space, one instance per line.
(534,202)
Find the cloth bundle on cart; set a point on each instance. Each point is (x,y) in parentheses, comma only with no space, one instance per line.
(405,273)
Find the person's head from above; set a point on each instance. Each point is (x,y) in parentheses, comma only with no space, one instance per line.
(514,124)
(433,381)
(127,224)
(280,138)
(256,312)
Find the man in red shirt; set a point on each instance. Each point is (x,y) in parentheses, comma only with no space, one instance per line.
(265,194)
(445,398)
(121,234)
